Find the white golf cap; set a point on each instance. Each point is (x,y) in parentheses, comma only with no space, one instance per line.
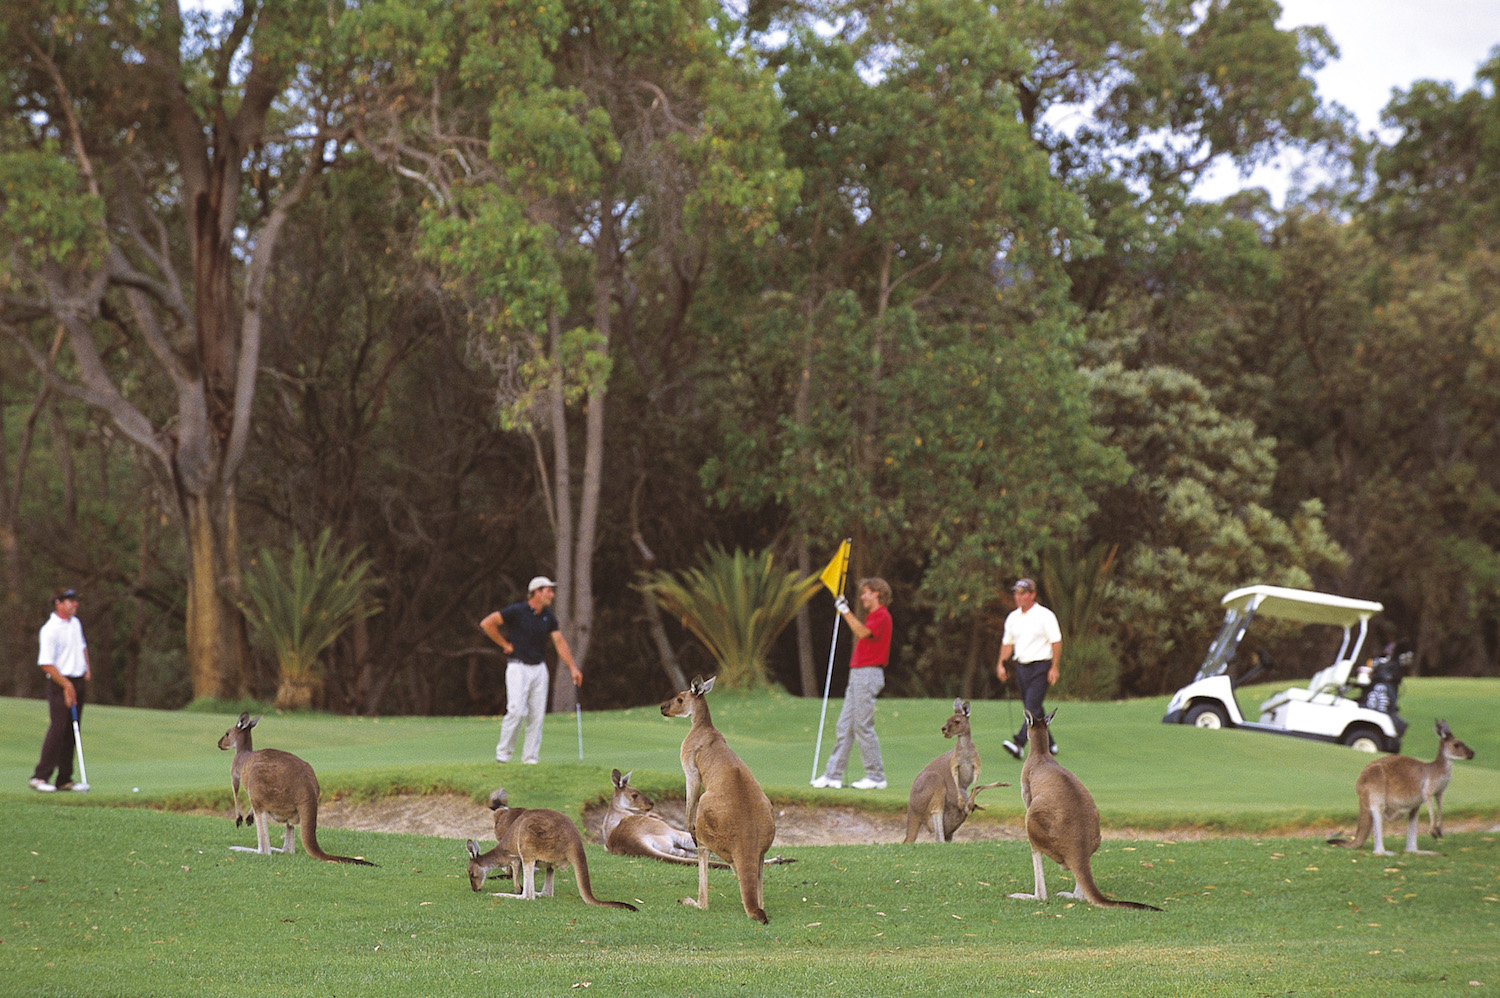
(540,582)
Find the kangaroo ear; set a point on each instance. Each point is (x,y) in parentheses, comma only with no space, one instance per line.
(958,705)
(245,716)
(1048,720)
(253,722)
(966,708)
(1443,730)
(614,777)
(702,686)
(473,848)
(624,780)
(1030,720)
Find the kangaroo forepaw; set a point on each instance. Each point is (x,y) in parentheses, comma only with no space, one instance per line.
(239,820)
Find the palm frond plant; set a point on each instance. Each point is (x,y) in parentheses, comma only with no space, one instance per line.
(302,608)
(736,604)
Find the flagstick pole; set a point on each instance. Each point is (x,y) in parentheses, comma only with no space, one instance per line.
(828,682)
(833,646)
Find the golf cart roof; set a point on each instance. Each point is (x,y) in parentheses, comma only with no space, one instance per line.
(1302,605)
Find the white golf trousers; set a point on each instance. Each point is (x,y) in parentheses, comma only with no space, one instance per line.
(525,703)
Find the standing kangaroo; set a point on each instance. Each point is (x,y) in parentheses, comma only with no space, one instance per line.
(279,787)
(528,836)
(941,798)
(1062,821)
(1396,784)
(726,809)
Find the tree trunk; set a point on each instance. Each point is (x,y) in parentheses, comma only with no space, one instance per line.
(217,645)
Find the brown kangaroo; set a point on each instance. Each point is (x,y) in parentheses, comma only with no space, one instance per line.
(279,787)
(1062,821)
(526,837)
(726,809)
(941,798)
(1396,784)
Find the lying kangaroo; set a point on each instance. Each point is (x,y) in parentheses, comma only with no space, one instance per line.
(1062,821)
(941,798)
(726,809)
(630,828)
(278,787)
(1396,784)
(528,836)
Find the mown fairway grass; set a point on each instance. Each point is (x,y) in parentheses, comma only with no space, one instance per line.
(108,900)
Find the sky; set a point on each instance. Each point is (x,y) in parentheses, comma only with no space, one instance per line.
(1384,45)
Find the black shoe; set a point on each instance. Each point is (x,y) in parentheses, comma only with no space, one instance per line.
(1012,748)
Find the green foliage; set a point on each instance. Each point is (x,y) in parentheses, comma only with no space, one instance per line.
(1077,587)
(1192,521)
(46,214)
(736,604)
(303,607)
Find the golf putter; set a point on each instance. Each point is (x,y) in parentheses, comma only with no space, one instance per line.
(83,771)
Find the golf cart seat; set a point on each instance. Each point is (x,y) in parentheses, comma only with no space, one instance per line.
(1332,682)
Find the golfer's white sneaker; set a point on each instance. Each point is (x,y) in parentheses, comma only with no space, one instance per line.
(41,785)
(823,782)
(1012,748)
(868,784)
(81,788)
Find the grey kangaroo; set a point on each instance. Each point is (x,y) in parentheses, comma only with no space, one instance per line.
(726,809)
(279,787)
(526,837)
(1396,785)
(941,798)
(1062,821)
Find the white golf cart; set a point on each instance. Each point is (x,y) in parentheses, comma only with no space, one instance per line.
(1339,704)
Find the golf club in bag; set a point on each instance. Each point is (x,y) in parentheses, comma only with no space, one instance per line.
(83,783)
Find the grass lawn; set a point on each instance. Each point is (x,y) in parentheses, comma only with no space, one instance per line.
(131,900)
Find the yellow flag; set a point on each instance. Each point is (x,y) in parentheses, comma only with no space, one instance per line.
(833,575)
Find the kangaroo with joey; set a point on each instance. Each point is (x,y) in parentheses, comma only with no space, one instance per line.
(528,837)
(279,787)
(727,811)
(631,828)
(943,794)
(1062,821)
(1396,785)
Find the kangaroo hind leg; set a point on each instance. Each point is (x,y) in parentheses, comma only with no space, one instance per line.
(1041,878)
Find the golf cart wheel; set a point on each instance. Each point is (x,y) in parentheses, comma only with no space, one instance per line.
(1362,740)
(1206,715)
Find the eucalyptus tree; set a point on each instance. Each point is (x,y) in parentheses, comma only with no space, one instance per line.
(907,374)
(575,155)
(158,156)
(1384,345)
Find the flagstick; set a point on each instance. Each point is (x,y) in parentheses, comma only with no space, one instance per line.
(833,645)
(822,717)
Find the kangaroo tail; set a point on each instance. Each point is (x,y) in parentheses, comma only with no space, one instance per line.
(585,890)
(310,842)
(750,889)
(1095,896)
(667,857)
